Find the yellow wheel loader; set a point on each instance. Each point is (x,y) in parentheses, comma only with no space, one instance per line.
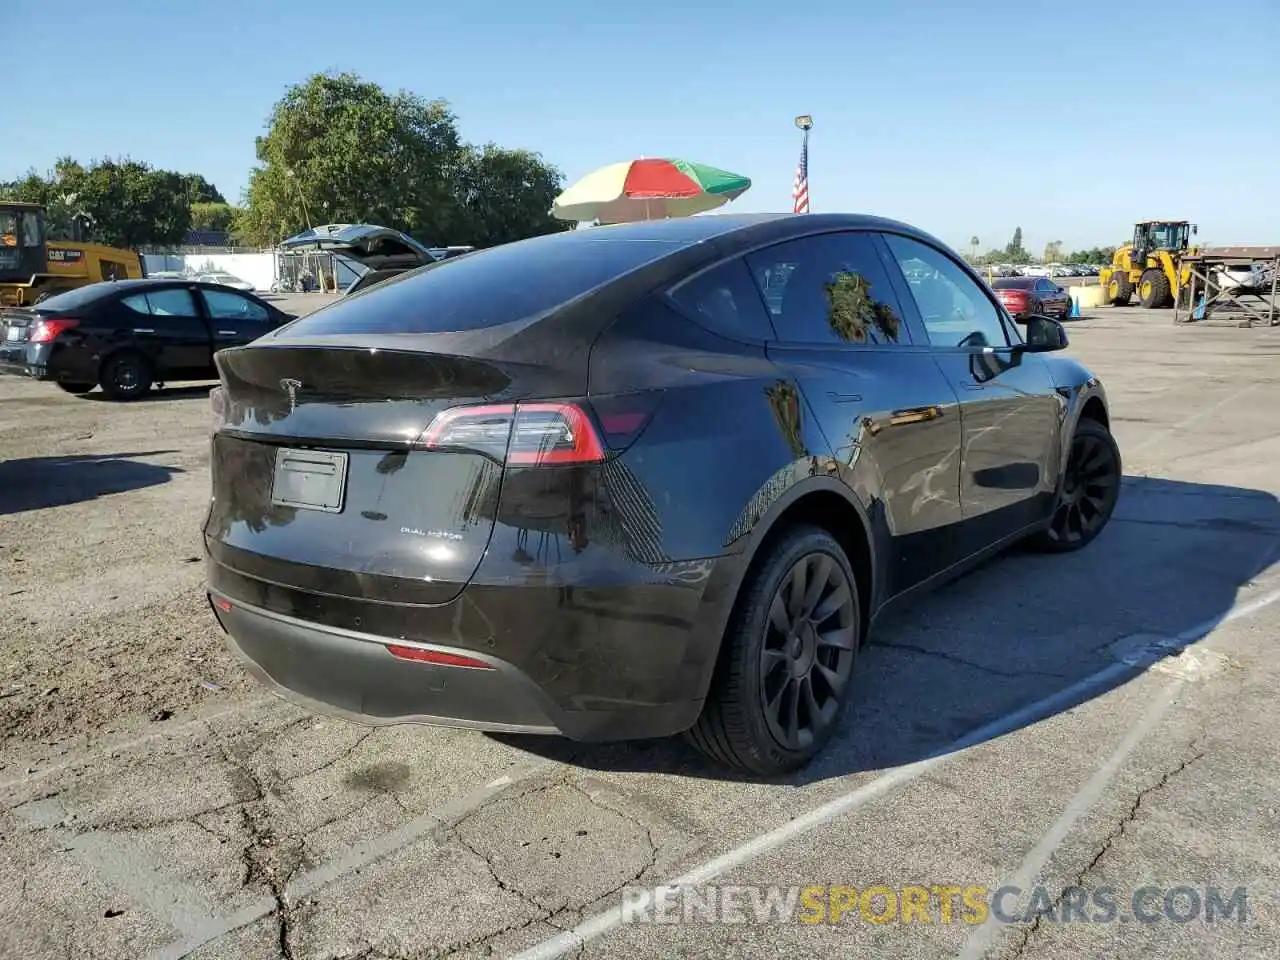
(1151,265)
(33,267)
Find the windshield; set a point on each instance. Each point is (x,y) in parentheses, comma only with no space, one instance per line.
(1169,236)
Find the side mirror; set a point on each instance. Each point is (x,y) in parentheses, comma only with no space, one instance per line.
(1044,334)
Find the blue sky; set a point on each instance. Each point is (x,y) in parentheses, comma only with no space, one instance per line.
(1069,119)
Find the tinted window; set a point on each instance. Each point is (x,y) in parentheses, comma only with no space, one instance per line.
(828,289)
(725,299)
(1013,283)
(175,302)
(486,288)
(231,306)
(953,306)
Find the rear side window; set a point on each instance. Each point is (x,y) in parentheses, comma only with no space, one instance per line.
(162,303)
(725,299)
(828,289)
(487,288)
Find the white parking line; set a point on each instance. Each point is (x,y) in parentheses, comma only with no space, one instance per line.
(180,905)
(1104,679)
(1162,433)
(360,855)
(982,938)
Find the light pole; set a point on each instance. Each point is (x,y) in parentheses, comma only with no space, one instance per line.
(800,203)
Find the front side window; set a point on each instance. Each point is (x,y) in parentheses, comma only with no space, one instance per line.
(230,306)
(953,307)
(828,289)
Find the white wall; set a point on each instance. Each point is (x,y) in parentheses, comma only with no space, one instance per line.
(257,268)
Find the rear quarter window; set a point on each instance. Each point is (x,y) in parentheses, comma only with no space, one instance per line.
(725,300)
(487,288)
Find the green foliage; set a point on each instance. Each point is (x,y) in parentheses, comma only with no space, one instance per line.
(340,149)
(200,190)
(1053,252)
(1015,252)
(1095,255)
(129,204)
(213,216)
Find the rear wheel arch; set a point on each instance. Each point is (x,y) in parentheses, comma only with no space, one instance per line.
(829,504)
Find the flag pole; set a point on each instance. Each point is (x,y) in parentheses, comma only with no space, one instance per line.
(805,122)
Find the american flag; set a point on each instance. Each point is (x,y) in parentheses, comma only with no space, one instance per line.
(800,192)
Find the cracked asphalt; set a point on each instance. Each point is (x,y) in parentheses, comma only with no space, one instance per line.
(156,803)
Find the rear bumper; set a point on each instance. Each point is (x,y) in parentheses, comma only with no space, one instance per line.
(25,360)
(353,675)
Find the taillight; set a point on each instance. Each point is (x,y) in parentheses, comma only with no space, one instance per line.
(45,329)
(528,434)
(217,408)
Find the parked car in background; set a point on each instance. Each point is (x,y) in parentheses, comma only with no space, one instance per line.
(128,335)
(226,280)
(599,483)
(1245,277)
(1030,296)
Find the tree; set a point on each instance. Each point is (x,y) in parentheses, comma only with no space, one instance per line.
(129,203)
(1053,252)
(213,216)
(339,149)
(1015,252)
(200,190)
(504,195)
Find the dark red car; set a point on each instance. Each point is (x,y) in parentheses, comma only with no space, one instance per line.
(1027,296)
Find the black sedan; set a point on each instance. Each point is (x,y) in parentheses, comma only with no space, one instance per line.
(599,484)
(129,335)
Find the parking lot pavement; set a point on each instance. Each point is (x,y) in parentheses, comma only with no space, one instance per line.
(1101,720)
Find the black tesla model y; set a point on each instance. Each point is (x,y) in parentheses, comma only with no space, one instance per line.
(637,480)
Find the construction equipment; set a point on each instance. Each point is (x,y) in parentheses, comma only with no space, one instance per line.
(1152,264)
(33,267)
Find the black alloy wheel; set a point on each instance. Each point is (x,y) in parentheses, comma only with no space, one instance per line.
(1090,489)
(786,658)
(126,376)
(809,645)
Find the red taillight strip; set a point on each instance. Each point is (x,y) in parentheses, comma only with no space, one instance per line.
(437,657)
(586,445)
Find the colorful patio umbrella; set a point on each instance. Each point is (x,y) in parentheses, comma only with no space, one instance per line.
(648,189)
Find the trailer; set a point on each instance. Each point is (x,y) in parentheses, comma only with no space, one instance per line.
(1208,297)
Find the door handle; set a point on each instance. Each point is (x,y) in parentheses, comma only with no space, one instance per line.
(969,385)
(228,333)
(144,330)
(836,397)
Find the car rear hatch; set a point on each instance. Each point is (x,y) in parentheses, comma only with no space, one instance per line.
(359,451)
(382,251)
(324,480)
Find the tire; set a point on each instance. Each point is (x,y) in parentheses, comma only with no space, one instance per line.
(1119,289)
(76,388)
(1086,500)
(761,664)
(1153,290)
(126,376)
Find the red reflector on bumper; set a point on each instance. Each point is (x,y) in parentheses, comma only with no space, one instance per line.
(437,657)
(221,604)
